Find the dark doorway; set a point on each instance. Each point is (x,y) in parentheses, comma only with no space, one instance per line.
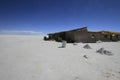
(117,36)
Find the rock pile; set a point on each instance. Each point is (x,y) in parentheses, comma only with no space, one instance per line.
(87,46)
(103,51)
(85,56)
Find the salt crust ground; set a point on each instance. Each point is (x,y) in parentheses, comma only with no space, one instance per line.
(31,58)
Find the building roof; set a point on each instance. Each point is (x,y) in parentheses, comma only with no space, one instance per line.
(78,29)
(85,28)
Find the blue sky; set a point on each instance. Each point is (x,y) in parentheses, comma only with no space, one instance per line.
(58,15)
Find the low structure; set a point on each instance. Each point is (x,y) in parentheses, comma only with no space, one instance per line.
(83,35)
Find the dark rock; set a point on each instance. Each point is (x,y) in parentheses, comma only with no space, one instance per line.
(87,46)
(85,56)
(103,51)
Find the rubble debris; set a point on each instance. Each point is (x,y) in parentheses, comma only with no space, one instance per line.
(85,56)
(103,51)
(87,46)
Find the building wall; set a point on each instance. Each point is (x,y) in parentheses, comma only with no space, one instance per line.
(69,36)
(83,35)
(79,35)
(94,36)
(115,37)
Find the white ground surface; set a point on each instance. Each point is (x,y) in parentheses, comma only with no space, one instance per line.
(31,58)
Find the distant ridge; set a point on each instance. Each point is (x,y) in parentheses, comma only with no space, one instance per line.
(15,32)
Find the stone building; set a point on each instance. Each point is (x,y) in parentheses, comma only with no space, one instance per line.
(83,35)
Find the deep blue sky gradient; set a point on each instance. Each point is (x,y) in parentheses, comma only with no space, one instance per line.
(59,15)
